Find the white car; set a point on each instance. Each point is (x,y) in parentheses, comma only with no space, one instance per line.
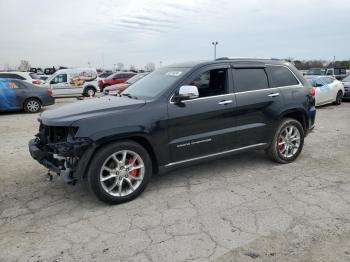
(25,76)
(327,89)
(72,82)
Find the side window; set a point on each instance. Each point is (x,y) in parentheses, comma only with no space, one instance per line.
(62,78)
(249,79)
(282,76)
(15,76)
(118,76)
(3,75)
(330,72)
(211,83)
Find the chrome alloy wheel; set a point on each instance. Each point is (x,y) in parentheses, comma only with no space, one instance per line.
(122,173)
(33,106)
(288,141)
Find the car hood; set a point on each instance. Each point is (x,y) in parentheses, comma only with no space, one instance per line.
(114,87)
(347,84)
(88,108)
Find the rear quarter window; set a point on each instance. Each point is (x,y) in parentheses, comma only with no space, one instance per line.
(12,76)
(249,79)
(282,76)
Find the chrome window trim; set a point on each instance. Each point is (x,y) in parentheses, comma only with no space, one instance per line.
(214,154)
(243,92)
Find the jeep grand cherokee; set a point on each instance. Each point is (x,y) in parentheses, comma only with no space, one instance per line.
(174,116)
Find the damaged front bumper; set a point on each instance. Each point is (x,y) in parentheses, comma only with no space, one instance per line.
(67,159)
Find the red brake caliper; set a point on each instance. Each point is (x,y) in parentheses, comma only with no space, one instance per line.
(134,172)
(280,146)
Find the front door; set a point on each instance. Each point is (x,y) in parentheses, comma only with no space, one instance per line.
(60,85)
(204,125)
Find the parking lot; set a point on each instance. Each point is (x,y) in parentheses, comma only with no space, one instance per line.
(239,208)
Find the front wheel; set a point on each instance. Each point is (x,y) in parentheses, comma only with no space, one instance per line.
(288,141)
(338,98)
(120,172)
(90,91)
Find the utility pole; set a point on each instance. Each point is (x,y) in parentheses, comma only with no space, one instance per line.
(215,44)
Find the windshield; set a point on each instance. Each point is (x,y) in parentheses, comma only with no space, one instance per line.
(316,71)
(155,83)
(112,76)
(48,80)
(134,79)
(346,79)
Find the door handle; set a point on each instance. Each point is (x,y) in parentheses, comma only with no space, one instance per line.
(225,102)
(273,94)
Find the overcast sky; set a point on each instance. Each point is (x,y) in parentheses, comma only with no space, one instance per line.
(75,32)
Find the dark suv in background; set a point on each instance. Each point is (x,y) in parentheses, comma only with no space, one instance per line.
(175,116)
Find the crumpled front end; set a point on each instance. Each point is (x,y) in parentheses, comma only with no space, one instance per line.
(57,148)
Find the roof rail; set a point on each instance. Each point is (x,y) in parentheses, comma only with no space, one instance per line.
(263,58)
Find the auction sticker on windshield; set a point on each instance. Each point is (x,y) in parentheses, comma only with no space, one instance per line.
(173,73)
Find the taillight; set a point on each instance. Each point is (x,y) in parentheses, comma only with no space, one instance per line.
(312,91)
(49,91)
(36,82)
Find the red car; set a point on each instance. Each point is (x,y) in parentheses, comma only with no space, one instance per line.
(116,78)
(118,88)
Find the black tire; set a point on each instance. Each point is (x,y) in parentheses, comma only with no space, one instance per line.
(273,151)
(32,105)
(89,90)
(339,98)
(98,162)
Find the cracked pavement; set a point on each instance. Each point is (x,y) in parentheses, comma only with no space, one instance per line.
(239,208)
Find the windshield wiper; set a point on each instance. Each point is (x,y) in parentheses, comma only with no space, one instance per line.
(128,95)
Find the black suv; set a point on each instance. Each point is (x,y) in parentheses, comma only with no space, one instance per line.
(174,116)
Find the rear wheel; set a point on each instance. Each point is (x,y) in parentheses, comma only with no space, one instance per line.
(338,98)
(32,105)
(120,172)
(288,141)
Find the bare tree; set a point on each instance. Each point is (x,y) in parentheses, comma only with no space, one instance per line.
(24,66)
(120,66)
(150,66)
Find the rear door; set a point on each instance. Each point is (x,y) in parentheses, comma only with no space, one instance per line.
(22,93)
(258,103)
(204,125)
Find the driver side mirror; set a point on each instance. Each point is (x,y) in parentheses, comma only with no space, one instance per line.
(186,93)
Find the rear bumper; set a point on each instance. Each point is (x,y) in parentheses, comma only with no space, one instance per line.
(311,120)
